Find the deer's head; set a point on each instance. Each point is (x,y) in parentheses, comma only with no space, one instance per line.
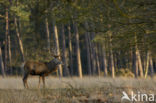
(56,58)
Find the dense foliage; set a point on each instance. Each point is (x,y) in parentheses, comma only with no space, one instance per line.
(120,32)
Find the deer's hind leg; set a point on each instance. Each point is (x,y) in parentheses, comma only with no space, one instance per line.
(39,81)
(25,80)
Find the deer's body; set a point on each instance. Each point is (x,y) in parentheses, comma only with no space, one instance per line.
(41,69)
(38,68)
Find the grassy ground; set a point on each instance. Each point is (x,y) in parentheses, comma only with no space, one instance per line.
(72,90)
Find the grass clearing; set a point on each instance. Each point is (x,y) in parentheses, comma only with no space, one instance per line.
(72,90)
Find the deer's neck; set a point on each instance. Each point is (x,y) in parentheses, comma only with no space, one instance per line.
(51,66)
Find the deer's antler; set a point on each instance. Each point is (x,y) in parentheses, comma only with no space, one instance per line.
(54,53)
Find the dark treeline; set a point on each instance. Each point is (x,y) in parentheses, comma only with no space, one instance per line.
(93,37)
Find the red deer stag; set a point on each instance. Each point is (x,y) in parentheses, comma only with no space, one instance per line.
(41,69)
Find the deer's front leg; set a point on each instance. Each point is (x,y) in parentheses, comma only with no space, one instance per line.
(43,79)
(25,80)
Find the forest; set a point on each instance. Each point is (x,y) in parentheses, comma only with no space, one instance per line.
(105,38)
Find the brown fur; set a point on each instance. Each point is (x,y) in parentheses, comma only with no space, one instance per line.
(41,69)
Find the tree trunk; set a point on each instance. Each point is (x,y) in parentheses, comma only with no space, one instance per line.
(66,70)
(1,63)
(105,61)
(6,39)
(112,64)
(115,60)
(137,68)
(70,51)
(93,63)
(88,50)
(9,48)
(88,54)
(134,62)
(151,66)
(147,65)
(138,58)
(57,46)
(139,63)
(19,39)
(97,61)
(48,35)
(131,59)
(93,54)
(111,56)
(78,50)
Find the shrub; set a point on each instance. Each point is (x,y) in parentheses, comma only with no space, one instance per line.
(125,72)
